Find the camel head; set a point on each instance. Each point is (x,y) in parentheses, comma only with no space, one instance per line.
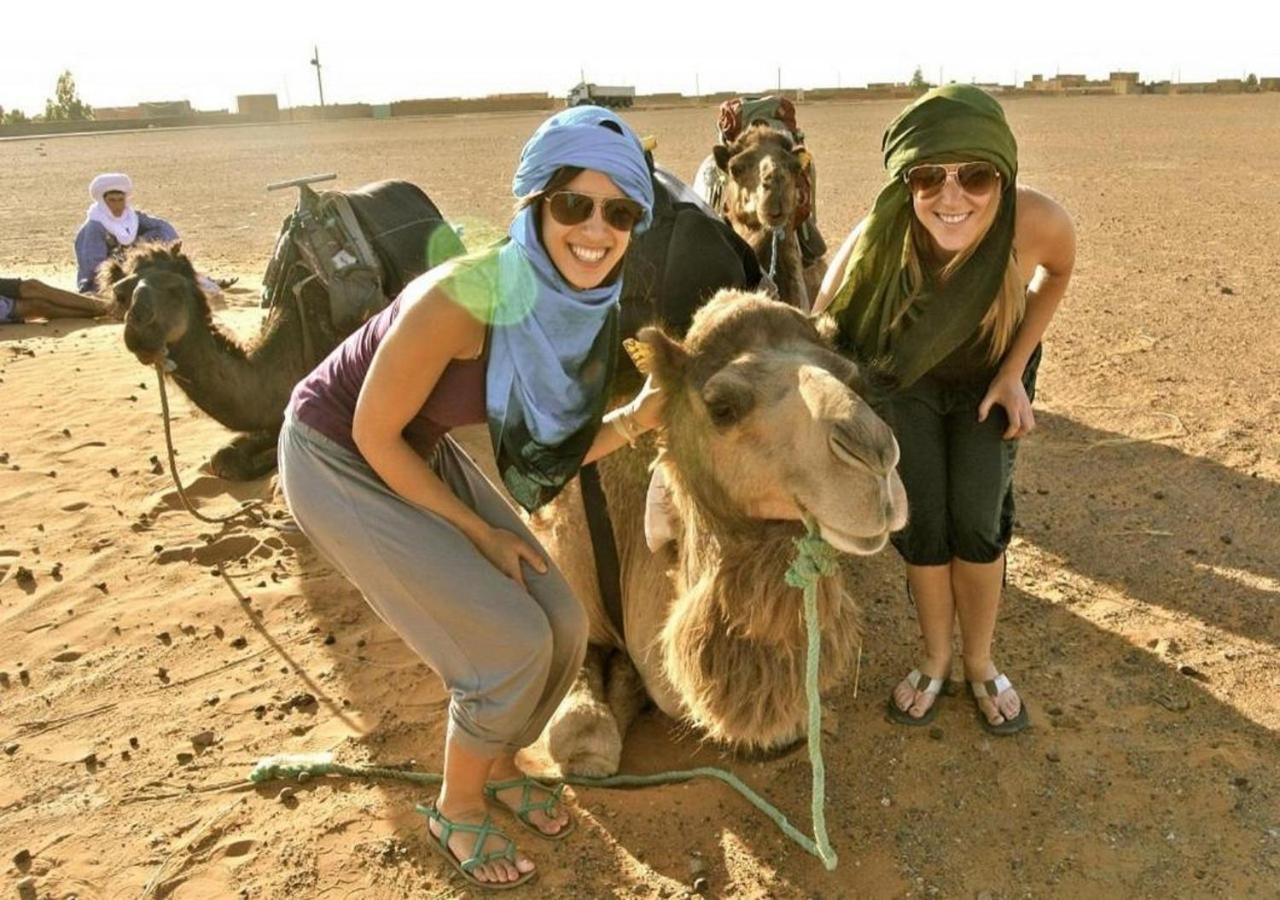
(766,184)
(155,289)
(765,421)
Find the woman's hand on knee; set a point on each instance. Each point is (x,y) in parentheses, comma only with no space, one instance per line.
(1008,391)
(506,550)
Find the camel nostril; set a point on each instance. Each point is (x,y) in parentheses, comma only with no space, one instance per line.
(141,314)
(853,447)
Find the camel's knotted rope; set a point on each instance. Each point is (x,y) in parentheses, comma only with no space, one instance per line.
(774,246)
(815,559)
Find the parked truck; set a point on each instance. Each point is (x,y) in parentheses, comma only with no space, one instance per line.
(614,96)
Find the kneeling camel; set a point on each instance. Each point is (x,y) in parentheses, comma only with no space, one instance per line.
(765,425)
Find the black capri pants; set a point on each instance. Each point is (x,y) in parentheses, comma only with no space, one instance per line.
(957,471)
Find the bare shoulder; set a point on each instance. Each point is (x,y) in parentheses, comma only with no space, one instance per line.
(834,276)
(1044,232)
(431,315)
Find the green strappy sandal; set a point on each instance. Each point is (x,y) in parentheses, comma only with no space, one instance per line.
(477,858)
(528,784)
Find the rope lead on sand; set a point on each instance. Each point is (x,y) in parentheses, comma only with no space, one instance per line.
(815,560)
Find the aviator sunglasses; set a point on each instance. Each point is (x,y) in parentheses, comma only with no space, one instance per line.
(974,178)
(573,208)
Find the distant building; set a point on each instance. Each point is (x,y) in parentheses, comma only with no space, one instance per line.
(259,107)
(116,113)
(1125,83)
(165,109)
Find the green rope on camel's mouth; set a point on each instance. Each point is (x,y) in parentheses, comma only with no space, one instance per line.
(815,560)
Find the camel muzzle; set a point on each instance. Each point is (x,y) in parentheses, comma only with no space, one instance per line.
(143,337)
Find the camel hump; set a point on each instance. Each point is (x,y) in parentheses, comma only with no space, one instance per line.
(679,192)
(685,256)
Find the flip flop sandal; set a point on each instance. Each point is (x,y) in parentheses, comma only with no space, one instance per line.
(482,832)
(527,805)
(925,685)
(993,689)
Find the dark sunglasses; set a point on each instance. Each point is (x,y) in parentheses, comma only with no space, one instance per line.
(972,177)
(573,208)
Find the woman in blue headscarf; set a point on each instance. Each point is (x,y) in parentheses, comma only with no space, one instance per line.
(523,336)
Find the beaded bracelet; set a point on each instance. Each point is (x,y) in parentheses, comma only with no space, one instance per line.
(626,426)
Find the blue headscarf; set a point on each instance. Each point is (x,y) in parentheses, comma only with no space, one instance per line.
(549,367)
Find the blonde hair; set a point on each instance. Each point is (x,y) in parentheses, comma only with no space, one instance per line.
(1005,313)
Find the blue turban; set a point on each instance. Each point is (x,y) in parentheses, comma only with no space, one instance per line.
(553,348)
(579,137)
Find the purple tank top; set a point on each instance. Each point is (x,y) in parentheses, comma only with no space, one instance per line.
(326,399)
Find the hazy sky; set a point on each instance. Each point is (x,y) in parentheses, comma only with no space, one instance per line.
(377,51)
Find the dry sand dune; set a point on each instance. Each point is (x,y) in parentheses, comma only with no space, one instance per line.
(137,687)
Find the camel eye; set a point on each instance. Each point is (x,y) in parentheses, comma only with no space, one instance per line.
(727,402)
(739,169)
(722,414)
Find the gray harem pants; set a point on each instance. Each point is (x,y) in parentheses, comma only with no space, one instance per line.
(507,656)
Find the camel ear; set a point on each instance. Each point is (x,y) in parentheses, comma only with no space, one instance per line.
(803,158)
(664,358)
(722,154)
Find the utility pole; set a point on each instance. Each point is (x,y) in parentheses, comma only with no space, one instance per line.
(779,79)
(315,61)
(697,86)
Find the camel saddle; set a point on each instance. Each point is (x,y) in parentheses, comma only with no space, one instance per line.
(740,113)
(362,245)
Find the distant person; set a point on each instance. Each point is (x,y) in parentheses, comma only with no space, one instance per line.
(951,281)
(26,298)
(112,226)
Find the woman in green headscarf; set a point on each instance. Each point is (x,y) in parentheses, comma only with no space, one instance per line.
(949,283)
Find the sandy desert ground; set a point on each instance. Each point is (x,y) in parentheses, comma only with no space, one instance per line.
(1141,621)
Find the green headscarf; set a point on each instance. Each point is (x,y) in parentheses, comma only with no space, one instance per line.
(956,121)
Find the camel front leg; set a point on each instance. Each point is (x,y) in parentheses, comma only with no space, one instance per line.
(624,691)
(583,736)
(247,457)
